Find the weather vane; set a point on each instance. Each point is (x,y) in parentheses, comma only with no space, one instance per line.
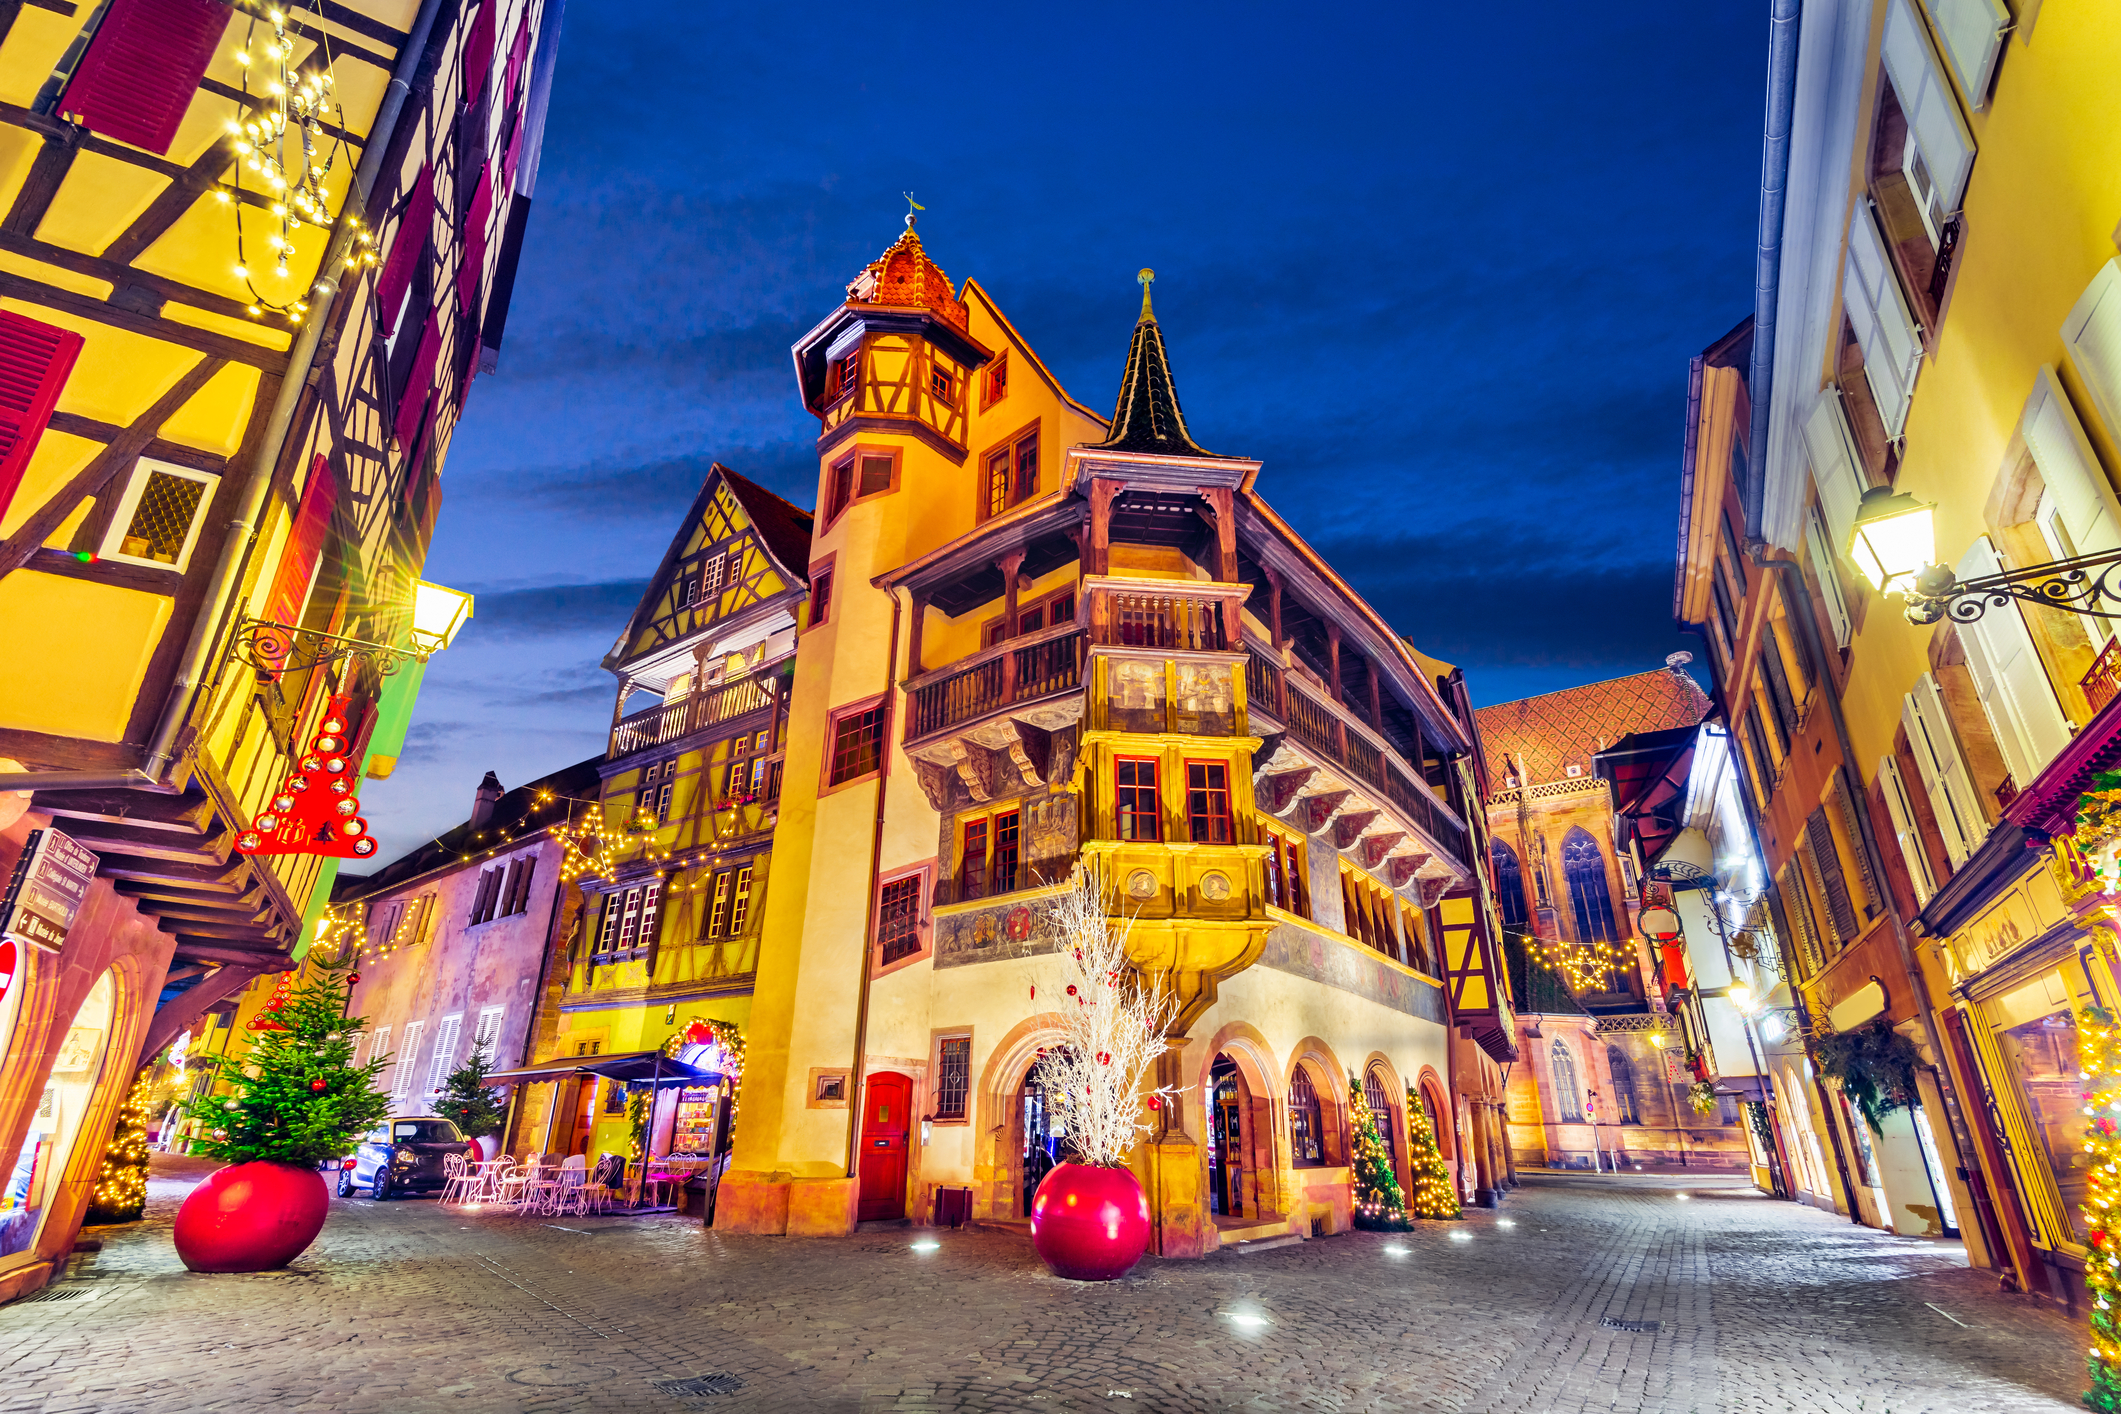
(912,206)
(1145,279)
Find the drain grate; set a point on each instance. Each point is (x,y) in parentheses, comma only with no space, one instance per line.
(700,1386)
(59,1293)
(1612,1323)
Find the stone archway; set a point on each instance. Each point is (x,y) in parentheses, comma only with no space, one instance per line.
(999,1191)
(1243,1130)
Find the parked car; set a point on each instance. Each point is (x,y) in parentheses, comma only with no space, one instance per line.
(403,1156)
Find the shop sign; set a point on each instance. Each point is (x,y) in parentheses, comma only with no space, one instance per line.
(50,883)
(2031,906)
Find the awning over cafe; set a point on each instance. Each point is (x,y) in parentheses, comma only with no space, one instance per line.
(633,1067)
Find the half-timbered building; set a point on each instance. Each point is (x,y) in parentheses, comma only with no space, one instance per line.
(251,260)
(1037,639)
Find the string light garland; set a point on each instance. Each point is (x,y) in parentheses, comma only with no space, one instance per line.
(1434,1196)
(283,145)
(2099,1042)
(1585,966)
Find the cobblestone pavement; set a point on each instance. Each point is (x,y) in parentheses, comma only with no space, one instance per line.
(1761,1306)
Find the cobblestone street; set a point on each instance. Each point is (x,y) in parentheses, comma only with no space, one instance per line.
(1757,1305)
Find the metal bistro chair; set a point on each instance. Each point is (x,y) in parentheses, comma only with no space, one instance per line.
(543,1183)
(571,1193)
(491,1175)
(604,1180)
(459,1183)
(516,1184)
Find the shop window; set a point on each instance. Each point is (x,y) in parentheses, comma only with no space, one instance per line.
(1568,1096)
(158,518)
(2043,1056)
(898,919)
(1011,473)
(1140,812)
(857,743)
(953,1077)
(1307,1122)
(55,1124)
(1208,802)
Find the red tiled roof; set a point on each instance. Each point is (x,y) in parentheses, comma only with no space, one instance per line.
(1557,730)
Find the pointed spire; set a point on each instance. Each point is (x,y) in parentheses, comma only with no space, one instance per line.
(1147,418)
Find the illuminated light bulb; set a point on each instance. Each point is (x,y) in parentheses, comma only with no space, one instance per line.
(220,196)
(278,209)
(255,311)
(242,58)
(241,273)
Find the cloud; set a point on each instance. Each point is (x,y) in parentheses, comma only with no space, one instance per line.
(543,611)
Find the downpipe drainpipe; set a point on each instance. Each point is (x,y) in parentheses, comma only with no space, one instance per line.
(855,1106)
(242,530)
(1767,272)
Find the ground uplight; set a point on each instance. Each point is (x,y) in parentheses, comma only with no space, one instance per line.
(1461,1237)
(1684,1196)
(926,1244)
(1246,1318)
(1505,1222)
(1395,1251)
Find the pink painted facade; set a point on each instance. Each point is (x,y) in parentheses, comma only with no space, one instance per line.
(456,937)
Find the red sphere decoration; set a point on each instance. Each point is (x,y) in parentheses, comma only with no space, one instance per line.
(1156,1102)
(316,1087)
(1090,1223)
(251,1217)
(353,978)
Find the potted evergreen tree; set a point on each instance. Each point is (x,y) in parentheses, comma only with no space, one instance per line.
(1090,1218)
(468,1103)
(294,1101)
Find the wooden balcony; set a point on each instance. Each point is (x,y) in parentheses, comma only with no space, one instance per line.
(1013,673)
(2103,682)
(671,720)
(1336,735)
(1182,616)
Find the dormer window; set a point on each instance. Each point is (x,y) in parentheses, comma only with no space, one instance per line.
(846,376)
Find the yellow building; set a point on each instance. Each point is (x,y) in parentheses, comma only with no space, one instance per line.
(675,873)
(249,266)
(1035,639)
(1939,319)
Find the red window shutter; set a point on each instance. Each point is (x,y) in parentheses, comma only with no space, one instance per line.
(34,362)
(305,545)
(413,400)
(405,247)
(143,67)
(517,54)
(478,51)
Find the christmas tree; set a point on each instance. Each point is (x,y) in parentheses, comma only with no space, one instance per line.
(1379,1205)
(121,1182)
(1434,1194)
(296,1097)
(2099,1042)
(466,1102)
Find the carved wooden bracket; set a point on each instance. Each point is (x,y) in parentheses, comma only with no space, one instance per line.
(1030,755)
(1400,870)
(1372,849)
(1434,889)
(974,768)
(1318,809)
(1348,828)
(935,782)
(1282,786)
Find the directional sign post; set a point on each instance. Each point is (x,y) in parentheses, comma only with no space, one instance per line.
(50,883)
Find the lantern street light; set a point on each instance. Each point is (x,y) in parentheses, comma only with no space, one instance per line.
(438,612)
(1893,540)
(271,648)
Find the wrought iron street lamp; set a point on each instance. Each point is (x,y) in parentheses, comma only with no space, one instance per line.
(271,648)
(1893,541)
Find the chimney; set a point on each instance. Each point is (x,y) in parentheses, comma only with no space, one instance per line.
(483,800)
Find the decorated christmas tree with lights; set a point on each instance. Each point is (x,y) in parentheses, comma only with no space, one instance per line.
(295,1096)
(467,1102)
(2099,1040)
(1379,1204)
(1434,1194)
(120,1195)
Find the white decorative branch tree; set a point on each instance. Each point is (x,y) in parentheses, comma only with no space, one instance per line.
(1113,1023)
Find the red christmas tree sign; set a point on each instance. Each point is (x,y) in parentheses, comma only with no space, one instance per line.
(316,810)
(268,1018)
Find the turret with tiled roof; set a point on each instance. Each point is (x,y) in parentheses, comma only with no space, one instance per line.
(1147,418)
(904,277)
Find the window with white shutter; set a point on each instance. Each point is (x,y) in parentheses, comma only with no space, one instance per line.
(408,1058)
(488,1035)
(1949,785)
(2008,674)
(1941,152)
(1877,310)
(1971,33)
(445,1052)
(378,1044)
(2093,335)
(1827,570)
(1901,807)
(2078,514)
(1832,449)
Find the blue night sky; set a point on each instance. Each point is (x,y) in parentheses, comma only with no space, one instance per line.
(1441,270)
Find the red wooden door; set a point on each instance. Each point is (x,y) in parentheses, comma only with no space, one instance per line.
(884,1127)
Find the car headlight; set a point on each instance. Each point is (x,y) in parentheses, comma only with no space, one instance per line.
(403,1155)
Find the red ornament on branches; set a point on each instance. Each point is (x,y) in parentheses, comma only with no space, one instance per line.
(316,810)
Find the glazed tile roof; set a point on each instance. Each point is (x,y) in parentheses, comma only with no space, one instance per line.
(904,277)
(1557,730)
(1147,418)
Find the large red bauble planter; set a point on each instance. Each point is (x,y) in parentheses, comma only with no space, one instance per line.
(251,1217)
(1090,1223)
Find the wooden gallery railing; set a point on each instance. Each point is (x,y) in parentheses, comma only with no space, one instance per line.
(1325,731)
(672,720)
(1006,675)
